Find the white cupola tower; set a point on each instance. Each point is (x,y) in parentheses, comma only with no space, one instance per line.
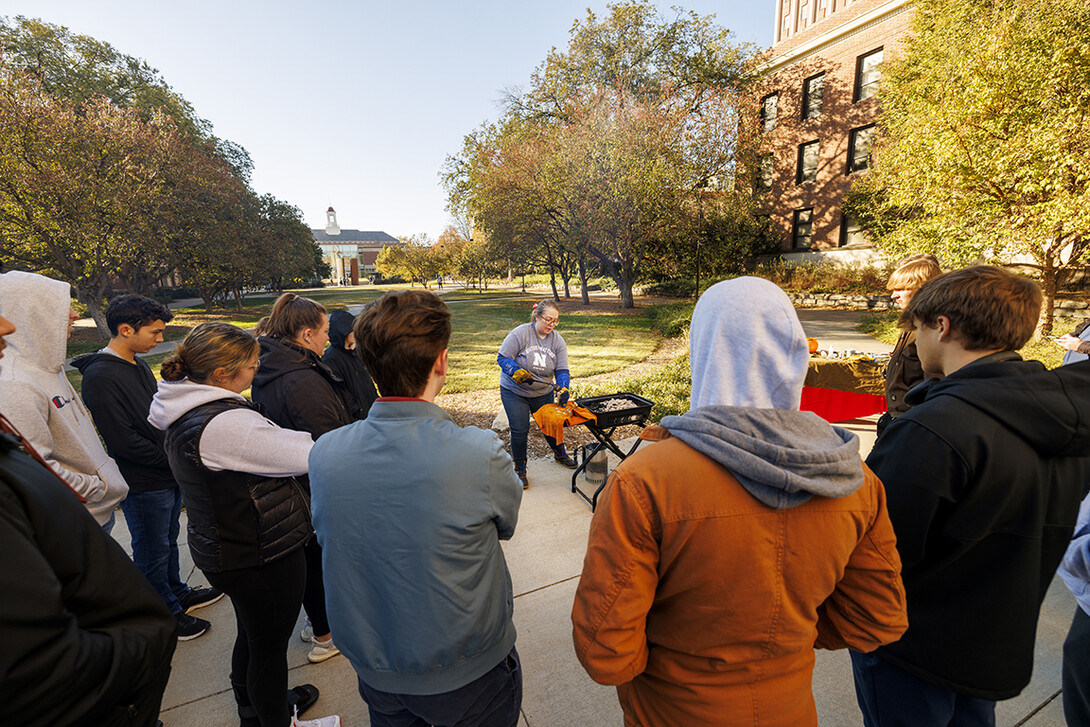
(331,226)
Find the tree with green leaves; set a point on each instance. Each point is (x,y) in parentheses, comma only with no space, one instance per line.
(610,154)
(984,148)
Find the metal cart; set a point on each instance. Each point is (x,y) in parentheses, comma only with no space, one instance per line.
(602,430)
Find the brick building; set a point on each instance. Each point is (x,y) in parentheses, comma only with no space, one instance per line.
(817,114)
(350,254)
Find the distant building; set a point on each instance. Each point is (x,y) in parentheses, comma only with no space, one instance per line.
(350,253)
(817,114)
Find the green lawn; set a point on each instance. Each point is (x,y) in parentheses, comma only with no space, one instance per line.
(597,342)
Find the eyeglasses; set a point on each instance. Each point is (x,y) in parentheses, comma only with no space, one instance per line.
(550,321)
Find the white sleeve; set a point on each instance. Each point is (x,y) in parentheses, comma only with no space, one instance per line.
(244,441)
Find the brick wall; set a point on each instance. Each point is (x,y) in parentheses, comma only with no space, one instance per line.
(830,47)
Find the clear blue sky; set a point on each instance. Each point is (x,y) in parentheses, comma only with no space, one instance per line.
(351,103)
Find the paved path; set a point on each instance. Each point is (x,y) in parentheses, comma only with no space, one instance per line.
(545,558)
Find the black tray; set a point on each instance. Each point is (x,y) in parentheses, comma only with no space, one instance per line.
(637,413)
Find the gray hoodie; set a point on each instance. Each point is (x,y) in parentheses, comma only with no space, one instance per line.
(749,359)
(40,401)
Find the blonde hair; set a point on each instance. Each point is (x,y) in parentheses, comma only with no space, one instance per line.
(208,347)
(541,305)
(913,271)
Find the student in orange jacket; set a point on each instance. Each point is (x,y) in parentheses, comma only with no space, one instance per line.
(720,557)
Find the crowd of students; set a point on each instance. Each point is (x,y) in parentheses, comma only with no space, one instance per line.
(718,559)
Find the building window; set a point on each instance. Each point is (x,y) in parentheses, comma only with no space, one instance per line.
(769,111)
(808,162)
(801,232)
(813,91)
(867,74)
(850,232)
(764,174)
(859,148)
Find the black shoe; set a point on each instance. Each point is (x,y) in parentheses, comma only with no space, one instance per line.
(560,454)
(302,698)
(520,470)
(190,627)
(199,598)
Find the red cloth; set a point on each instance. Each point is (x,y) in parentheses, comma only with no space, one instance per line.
(838,406)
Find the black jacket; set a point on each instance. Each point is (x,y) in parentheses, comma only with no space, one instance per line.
(119,394)
(983,476)
(235,519)
(358,390)
(86,639)
(297,389)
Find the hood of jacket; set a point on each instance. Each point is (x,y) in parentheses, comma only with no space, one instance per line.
(747,347)
(340,325)
(175,398)
(781,457)
(38,306)
(280,357)
(84,361)
(1049,410)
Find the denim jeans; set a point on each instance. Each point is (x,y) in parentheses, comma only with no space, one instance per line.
(153,522)
(891,697)
(518,409)
(492,700)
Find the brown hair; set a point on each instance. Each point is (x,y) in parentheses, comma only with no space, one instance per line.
(290,314)
(261,327)
(399,337)
(914,271)
(541,305)
(989,308)
(207,347)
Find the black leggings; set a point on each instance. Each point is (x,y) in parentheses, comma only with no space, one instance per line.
(314,595)
(266,600)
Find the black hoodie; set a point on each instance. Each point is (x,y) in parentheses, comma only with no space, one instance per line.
(118,395)
(984,476)
(297,389)
(359,391)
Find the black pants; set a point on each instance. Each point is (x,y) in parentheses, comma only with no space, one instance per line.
(1076,671)
(314,595)
(266,600)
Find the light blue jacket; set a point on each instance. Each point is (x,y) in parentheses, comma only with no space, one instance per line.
(410,510)
(1075,567)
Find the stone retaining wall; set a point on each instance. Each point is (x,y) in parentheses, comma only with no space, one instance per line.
(841,300)
(1064,308)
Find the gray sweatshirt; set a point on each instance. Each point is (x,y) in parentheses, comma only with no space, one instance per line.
(39,400)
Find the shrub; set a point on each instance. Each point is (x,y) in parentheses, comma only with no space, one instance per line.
(672,319)
(668,388)
(671,288)
(826,277)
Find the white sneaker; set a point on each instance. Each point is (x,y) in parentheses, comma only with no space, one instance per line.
(308,631)
(332,720)
(319,651)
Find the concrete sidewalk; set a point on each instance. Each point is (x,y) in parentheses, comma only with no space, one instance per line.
(545,558)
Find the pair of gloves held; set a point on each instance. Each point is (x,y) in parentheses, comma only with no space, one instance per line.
(522,377)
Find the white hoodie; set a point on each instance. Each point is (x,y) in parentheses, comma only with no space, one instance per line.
(40,401)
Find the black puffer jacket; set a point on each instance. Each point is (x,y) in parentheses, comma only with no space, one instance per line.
(297,389)
(236,519)
(86,640)
(358,390)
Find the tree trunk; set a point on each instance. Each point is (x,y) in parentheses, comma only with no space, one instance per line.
(585,295)
(1049,285)
(552,283)
(207,296)
(238,299)
(93,301)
